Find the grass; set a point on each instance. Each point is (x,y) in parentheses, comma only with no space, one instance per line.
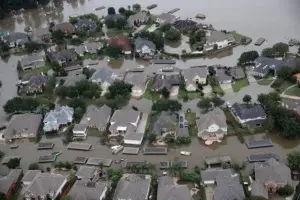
(193,95)
(265,81)
(283,86)
(237,85)
(218,90)
(191,118)
(237,36)
(149,94)
(36,71)
(294,91)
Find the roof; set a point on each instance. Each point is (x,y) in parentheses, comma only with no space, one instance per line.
(166,18)
(32,59)
(291,104)
(20,38)
(167,190)
(96,116)
(212,174)
(85,172)
(65,27)
(258,189)
(133,187)
(168,81)
(41,32)
(102,75)
(30,175)
(83,190)
(185,24)
(125,116)
(66,54)
(35,79)
(85,23)
(272,171)
(72,80)
(249,111)
(7,181)
(217,36)
(164,120)
(142,16)
(264,64)
(223,75)
(58,116)
(215,116)
(4,170)
(190,73)
(134,136)
(137,79)
(140,43)
(79,127)
(237,73)
(121,41)
(45,183)
(22,124)
(228,188)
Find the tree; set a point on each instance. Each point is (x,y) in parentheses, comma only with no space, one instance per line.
(268,52)
(121,23)
(13,163)
(217,101)
(122,10)
(19,104)
(118,88)
(280,49)
(166,105)
(152,137)
(88,72)
(293,159)
(58,36)
(247,98)
(165,92)
(136,7)
(111,11)
(205,104)
(211,71)
(32,46)
(173,35)
(165,27)
(212,81)
(114,51)
(48,169)
(247,57)
(285,191)
(81,32)
(33,166)
(110,23)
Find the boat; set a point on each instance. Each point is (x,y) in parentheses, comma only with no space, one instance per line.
(185,153)
(260,41)
(200,16)
(173,10)
(151,6)
(99,8)
(116,149)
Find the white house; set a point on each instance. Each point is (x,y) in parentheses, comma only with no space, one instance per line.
(218,39)
(79,131)
(212,126)
(124,121)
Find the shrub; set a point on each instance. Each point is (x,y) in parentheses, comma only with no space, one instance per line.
(285,191)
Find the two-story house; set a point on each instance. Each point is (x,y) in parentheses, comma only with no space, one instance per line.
(218,40)
(194,76)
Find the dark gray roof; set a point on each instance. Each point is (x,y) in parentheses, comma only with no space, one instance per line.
(161,80)
(237,73)
(140,43)
(38,80)
(167,190)
(64,55)
(7,181)
(30,175)
(223,75)
(133,187)
(102,75)
(86,172)
(73,79)
(164,120)
(264,64)
(248,111)
(85,23)
(137,79)
(165,62)
(166,18)
(33,59)
(18,37)
(83,190)
(211,174)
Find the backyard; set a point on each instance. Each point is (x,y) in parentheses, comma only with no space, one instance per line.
(293,91)
(265,81)
(149,94)
(191,118)
(237,85)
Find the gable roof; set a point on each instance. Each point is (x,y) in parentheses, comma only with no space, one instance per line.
(83,190)
(161,80)
(30,175)
(190,73)
(125,116)
(41,32)
(65,27)
(138,79)
(248,111)
(223,75)
(85,23)
(212,174)
(164,120)
(86,172)
(96,116)
(167,190)
(237,72)
(264,64)
(122,42)
(18,37)
(32,59)
(258,189)
(140,16)
(272,171)
(141,43)
(65,55)
(166,18)
(58,116)
(102,75)
(217,36)
(133,187)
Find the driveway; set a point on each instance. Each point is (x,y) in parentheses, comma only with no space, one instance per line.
(227,87)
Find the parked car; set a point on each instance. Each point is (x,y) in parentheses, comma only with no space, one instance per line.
(185,153)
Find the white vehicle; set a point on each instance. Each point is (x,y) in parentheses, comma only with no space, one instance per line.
(185,153)
(165,173)
(116,149)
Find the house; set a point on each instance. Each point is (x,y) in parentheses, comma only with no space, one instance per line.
(22,126)
(165,18)
(144,48)
(88,190)
(161,81)
(168,190)
(212,125)
(96,117)
(223,76)
(31,84)
(237,73)
(263,65)
(249,114)
(71,80)
(41,35)
(9,180)
(123,121)
(29,176)
(86,173)
(65,27)
(79,131)
(16,39)
(185,25)
(291,104)
(86,24)
(209,176)
(165,124)
(138,19)
(194,76)
(133,187)
(272,175)
(218,40)
(32,61)
(133,138)
(91,48)
(138,81)
(64,57)
(60,116)
(105,76)
(123,42)
(45,186)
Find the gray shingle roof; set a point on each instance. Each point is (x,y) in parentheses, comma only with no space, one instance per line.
(85,172)
(164,120)
(222,75)
(125,118)
(216,36)
(102,75)
(248,111)
(166,18)
(272,171)
(140,16)
(133,187)
(134,136)
(33,59)
(7,181)
(140,43)
(73,79)
(67,55)
(167,190)
(190,73)
(137,79)
(212,174)
(41,33)
(83,190)
(237,73)
(161,80)
(22,124)
(59,116)
(215,116)
(65,27)
(258,189)
(264,64)
(18,37)
(95,116)
(85,23)
(30,175)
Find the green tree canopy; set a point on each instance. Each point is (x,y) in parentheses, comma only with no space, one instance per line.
(205,104)
(166,105)
(155,37)
(111,11)
(19,104)
(33,166)
(248,57)
(121,23)
(13,163)
(285,191)
(173,35)
(110,23)
(165,92)
(247,98)
(114,51)
(122,10)
(118,88)
(136,7)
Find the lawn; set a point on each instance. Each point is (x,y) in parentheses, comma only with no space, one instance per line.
(294,91)
(191,118)
(283,86)
(237,85)
(265,81)
(36,71)
(218,90)
(149,94)
(193,95)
